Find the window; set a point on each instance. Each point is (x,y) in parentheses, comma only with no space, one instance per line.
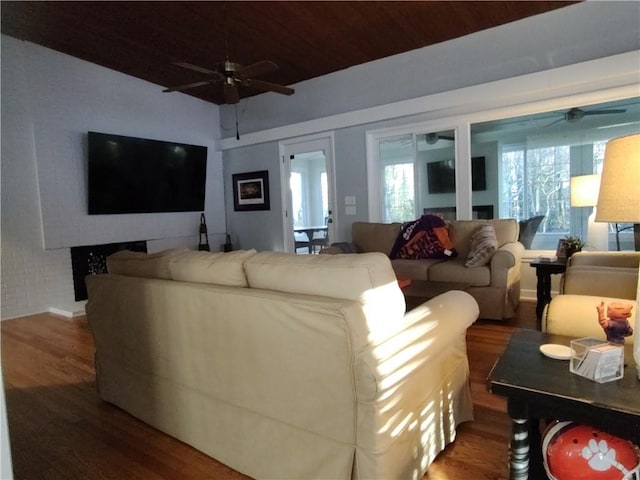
(397,180)
(535,181)
(538,155)
(295,182)
(529,160)
(398,192)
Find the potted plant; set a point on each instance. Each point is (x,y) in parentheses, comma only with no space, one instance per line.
(573,244)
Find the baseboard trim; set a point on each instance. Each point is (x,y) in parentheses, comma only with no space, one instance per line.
(70,311)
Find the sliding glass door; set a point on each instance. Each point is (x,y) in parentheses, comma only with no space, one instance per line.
(417,175)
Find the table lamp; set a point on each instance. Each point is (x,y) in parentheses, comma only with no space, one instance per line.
(619,201)
(619,197)
(584,193)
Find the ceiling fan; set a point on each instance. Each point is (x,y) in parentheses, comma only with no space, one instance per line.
(576,114)
(233,75)
(433,137)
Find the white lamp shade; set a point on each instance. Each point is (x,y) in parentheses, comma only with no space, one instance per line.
(584,190)
(619,197)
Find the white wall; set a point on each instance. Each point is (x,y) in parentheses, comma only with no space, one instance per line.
(572,34)
(49,102)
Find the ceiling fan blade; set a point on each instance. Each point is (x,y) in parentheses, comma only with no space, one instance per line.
(189,85)
(604,112)
(268,86)
(231,94)
(256,69)
(554,122)
(196,68)
(444,137)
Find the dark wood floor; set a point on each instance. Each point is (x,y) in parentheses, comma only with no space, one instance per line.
(59,429)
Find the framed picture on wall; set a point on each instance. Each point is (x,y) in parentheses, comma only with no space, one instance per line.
(251,191)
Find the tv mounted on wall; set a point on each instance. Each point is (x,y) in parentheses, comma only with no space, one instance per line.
(138,175)
(441,177)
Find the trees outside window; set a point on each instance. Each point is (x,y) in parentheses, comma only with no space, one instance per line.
(398,193)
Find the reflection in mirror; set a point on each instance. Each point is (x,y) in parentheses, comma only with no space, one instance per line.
(396,156)
(521,169)
(533,157)
(437,173)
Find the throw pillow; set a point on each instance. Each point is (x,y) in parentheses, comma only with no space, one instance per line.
(140,264)
(427,237)
(217,268)
(483,245)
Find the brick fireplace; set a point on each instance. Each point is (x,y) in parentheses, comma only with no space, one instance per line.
(92,260)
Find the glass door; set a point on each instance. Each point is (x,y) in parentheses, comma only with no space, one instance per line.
(417,176)
(308,216)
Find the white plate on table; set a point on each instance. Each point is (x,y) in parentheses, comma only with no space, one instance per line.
(558,352)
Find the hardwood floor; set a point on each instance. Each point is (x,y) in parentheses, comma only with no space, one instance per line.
(60,429)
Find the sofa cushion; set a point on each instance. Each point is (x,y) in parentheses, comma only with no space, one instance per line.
(206,267)
(367,278)
(140,264)
(414,269)
(576,316)
(456,271)
(483,246)
(374,237)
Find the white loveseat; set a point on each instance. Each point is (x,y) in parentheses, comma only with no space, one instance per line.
(283,366)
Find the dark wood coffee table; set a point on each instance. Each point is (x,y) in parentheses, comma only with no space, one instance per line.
(419,291)
(538,387)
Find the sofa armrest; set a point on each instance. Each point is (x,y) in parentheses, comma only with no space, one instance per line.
(426,332)
(507,257)
(576,316)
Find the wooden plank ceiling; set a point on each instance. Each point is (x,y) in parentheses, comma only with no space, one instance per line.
(305,39)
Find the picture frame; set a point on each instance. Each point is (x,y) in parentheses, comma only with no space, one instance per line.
(251,191)
(561,250)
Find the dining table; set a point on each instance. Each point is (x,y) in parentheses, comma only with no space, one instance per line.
(309,231)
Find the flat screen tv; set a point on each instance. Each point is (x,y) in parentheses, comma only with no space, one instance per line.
(441,176)
(137,175)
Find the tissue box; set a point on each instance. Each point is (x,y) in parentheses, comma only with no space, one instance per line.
(596,359)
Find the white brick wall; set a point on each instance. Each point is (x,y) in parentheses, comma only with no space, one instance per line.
(49,101)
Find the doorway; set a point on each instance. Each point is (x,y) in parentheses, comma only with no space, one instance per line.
(307,168)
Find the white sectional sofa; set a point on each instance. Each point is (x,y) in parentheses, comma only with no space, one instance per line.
(283,366)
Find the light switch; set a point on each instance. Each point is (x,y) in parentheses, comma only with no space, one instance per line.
(350,200)
(350,210)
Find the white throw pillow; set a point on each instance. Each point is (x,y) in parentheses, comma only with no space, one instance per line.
(483,245)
